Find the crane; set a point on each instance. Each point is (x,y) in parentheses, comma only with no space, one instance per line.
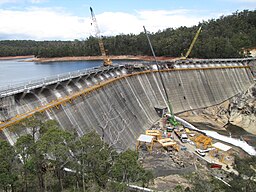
(193,43)
(106,59)
(171,118)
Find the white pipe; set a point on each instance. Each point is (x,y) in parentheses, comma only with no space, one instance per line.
(236,142)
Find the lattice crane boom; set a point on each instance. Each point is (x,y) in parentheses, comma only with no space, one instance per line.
(193,42)
(106,59)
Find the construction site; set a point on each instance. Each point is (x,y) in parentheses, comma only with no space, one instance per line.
(137,105)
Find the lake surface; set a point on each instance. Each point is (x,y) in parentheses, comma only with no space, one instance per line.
(19,70)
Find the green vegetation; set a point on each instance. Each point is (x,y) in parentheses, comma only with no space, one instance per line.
(38,161)
(244,182)
(220,38)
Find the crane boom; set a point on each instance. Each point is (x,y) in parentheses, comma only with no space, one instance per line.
(193,42)
(172,119)
(106,59)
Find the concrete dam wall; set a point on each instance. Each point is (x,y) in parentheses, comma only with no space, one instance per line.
(123,108)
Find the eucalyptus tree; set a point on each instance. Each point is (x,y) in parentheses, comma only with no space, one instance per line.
(92,160)
(127,169)
(8,176)
(55,149)
(24,149)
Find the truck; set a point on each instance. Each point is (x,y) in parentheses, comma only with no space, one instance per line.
(182,136)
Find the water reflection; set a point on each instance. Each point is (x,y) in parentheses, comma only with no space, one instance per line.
(18,70)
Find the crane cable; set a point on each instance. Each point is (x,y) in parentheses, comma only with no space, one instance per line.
(161,77)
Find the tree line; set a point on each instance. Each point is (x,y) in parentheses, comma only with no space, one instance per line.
(244,181)
(51,159)
(220,38)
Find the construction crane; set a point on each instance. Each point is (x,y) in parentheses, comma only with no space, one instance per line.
(106,59)
(170,118)
(193,43)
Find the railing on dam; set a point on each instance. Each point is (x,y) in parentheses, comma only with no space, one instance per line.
(179,64)
(23,87)
(57,102)
(232,60)
(86,90)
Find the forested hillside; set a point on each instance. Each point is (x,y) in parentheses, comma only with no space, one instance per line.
(220,38)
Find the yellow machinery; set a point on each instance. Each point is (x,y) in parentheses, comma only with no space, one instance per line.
(167,142)
(155,133)
(193,43)
(187,130)
(106,59)
(204,140)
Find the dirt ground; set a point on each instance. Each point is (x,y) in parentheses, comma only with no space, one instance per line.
(91,58)
(174,169)
(17,57)
(168,167)
(168,183)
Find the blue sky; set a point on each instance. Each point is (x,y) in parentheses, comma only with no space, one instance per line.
(70,19)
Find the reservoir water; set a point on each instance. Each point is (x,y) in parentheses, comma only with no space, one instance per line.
(20,71)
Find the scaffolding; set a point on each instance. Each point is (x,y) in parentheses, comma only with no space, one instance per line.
(167,142)
(155,133)
(145,140)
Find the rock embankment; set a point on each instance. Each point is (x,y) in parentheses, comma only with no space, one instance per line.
(239,110)
(242,110)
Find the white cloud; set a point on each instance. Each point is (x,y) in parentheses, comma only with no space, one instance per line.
(162,19)
(7,1)
(47,24)
(22,1)
(38,1)
(42,24)
(112,23)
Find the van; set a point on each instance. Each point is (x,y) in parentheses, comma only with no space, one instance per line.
(169,129)
(184,138)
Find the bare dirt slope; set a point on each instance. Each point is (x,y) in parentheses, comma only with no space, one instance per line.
(91,58)
(16,57)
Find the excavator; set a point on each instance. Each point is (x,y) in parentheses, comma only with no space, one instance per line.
(106,59)
(192,44)
(171,117)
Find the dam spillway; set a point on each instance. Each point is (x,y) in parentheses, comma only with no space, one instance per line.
(119,102)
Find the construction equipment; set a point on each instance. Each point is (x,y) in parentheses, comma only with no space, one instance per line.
(106,59)
(187,130)
(193,43)
(145,140)
(171,118)
(155,133)
(167,142)
(204,140)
